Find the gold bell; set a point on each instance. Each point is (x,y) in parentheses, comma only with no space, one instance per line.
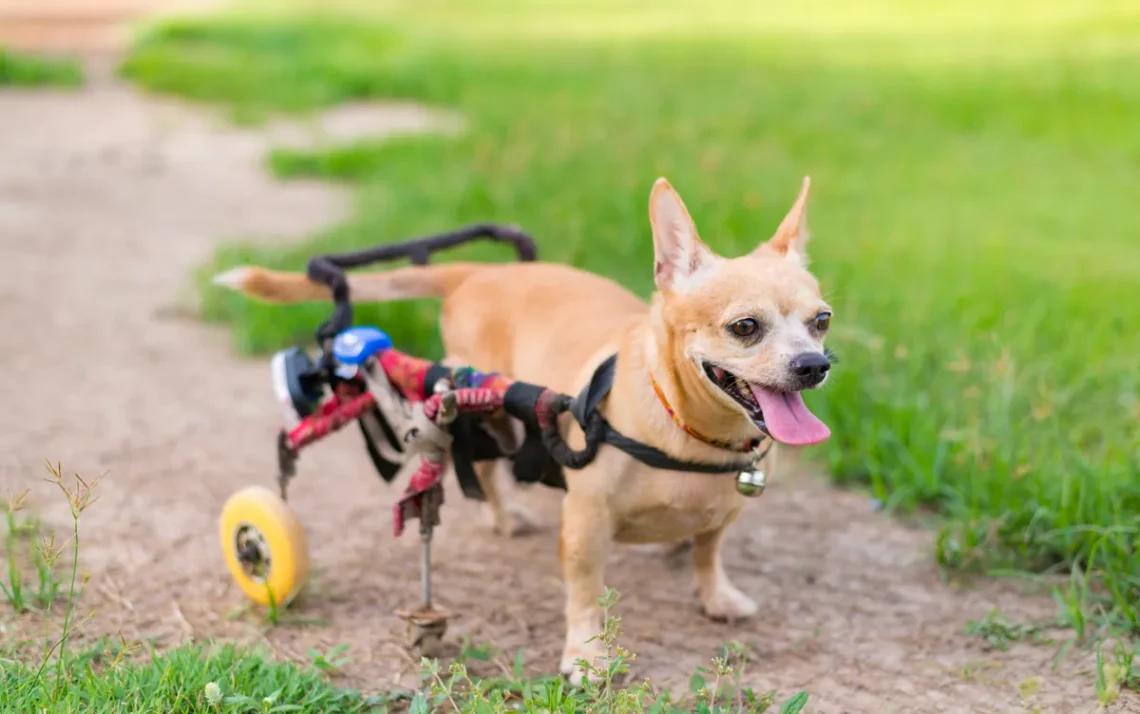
(751,483)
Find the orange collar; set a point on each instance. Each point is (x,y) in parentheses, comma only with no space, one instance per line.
(745,448)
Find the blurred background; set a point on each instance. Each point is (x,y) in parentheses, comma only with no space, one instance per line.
(976,176)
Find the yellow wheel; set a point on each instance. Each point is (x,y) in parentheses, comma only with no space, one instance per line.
(265,546)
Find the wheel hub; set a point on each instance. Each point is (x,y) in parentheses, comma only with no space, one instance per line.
(252,551)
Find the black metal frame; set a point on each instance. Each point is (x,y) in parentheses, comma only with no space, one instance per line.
(328,270)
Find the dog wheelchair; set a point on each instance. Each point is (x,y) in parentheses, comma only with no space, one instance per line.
(415,417)
(413,414)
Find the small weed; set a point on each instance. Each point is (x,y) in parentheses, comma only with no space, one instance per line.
(330,662)
(272,615)
(1125,656)
(1000,632)
(20,548)
(1073,602)
(1107,680)
(1117,673)
(13,588)
(1029,688)
(273,612)
(976,669)
(727,673)
(44,558)
(615,662)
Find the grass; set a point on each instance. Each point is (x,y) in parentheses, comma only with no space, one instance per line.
(25,70)
(974,168)
(187,679)
(196,678)
(24,592)
(1118,673)
(1000,632)
(64,675)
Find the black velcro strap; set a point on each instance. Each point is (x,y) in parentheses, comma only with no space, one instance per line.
(520,401)
(534,464)
(463,456)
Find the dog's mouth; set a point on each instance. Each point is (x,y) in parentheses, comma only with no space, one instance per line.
(781,415)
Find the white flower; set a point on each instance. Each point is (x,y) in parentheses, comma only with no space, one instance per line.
(213,694)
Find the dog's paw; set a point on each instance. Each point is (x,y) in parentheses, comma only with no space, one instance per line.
(728,604)
(571,662)
(510,522)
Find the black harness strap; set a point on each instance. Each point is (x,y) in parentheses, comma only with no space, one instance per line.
(585,409)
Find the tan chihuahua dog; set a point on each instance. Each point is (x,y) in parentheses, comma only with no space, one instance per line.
(712,365)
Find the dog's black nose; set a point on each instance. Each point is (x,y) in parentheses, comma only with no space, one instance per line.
(810,368)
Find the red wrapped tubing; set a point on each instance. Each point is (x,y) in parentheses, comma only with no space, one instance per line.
(407,374)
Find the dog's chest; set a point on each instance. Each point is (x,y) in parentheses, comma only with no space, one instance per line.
(668,506)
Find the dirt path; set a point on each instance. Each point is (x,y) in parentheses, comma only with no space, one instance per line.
(108,199)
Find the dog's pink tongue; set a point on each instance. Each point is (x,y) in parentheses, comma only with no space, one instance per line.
(787,417)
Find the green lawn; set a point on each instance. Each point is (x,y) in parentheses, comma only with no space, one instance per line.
(186,680)
(26,70)
(976,173)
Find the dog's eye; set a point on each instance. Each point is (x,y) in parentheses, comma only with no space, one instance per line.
(823,321)
(745,327)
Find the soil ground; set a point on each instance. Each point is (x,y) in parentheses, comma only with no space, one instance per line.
(108,199)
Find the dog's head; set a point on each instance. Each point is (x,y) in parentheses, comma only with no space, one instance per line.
(741,337)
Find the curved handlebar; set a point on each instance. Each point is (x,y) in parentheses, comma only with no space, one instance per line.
(328,270)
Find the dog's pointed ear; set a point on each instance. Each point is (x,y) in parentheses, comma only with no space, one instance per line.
(790,239)
(678,252)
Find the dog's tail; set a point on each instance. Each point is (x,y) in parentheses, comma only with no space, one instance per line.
(406,283)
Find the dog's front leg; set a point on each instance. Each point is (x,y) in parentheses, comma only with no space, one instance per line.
(583,547)
(719,597)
